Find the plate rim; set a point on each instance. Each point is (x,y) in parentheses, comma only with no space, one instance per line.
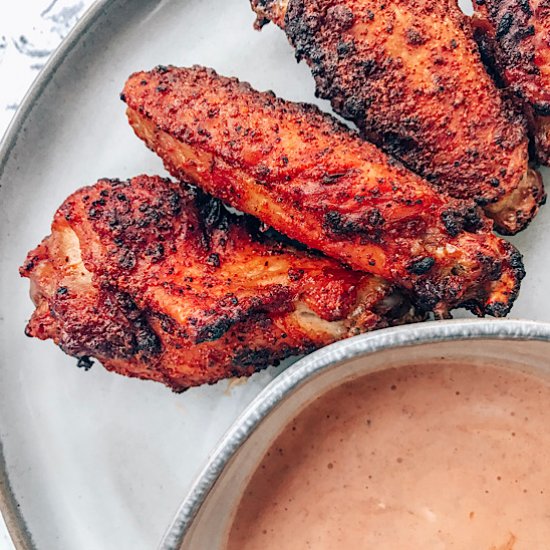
(18,531)
(286,383)
(39,84)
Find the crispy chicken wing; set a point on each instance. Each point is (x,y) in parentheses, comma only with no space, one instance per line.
(514,36)
(313,179)
(409,74)
(161,282)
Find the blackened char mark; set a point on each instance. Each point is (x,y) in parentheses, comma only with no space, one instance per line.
(516,262)
(143,339)
(367,226)
(421,266)
(84,362)
(146,340)
(228,313)
(542,108)
(466,218)
(428,294)
(214,217)
(505,25)
(497,309)
(211,211)
(215,330)
(486,47)
(526,7)
(263,357)
(300,28)
(398,145)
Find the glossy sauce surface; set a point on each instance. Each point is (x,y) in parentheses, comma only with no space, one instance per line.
(422,457)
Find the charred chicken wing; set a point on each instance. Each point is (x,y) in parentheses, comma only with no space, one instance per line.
(159,281)
(514,36)
(311,178)
(409,74)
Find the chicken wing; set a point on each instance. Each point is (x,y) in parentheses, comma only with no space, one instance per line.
(161,282)
(409,74)
(313,179)
(514,36)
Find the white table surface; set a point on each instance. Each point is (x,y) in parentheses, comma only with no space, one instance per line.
(29,32)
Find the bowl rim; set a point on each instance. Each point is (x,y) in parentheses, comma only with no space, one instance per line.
(300,372)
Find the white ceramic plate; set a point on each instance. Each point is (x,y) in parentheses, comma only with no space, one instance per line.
(97,461)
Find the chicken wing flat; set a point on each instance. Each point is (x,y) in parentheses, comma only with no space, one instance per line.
(515,36)
(161,282)
(313,179)
(409,75)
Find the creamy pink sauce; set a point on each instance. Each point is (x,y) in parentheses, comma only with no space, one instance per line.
(453,457)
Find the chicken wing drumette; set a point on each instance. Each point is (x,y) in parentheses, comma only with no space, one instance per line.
(410,76)
(514,36)
(311,178)
(159,281)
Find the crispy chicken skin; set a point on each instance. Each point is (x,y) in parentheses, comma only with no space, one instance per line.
(514,36)
(409,75)
(159,281)
(311,178)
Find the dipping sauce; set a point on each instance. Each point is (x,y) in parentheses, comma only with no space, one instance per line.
(416,458)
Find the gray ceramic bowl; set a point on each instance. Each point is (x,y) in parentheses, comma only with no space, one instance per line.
(205,516)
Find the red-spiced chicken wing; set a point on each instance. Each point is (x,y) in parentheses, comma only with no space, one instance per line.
(159,281)
(409,75)
(313,179)
(514,36)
